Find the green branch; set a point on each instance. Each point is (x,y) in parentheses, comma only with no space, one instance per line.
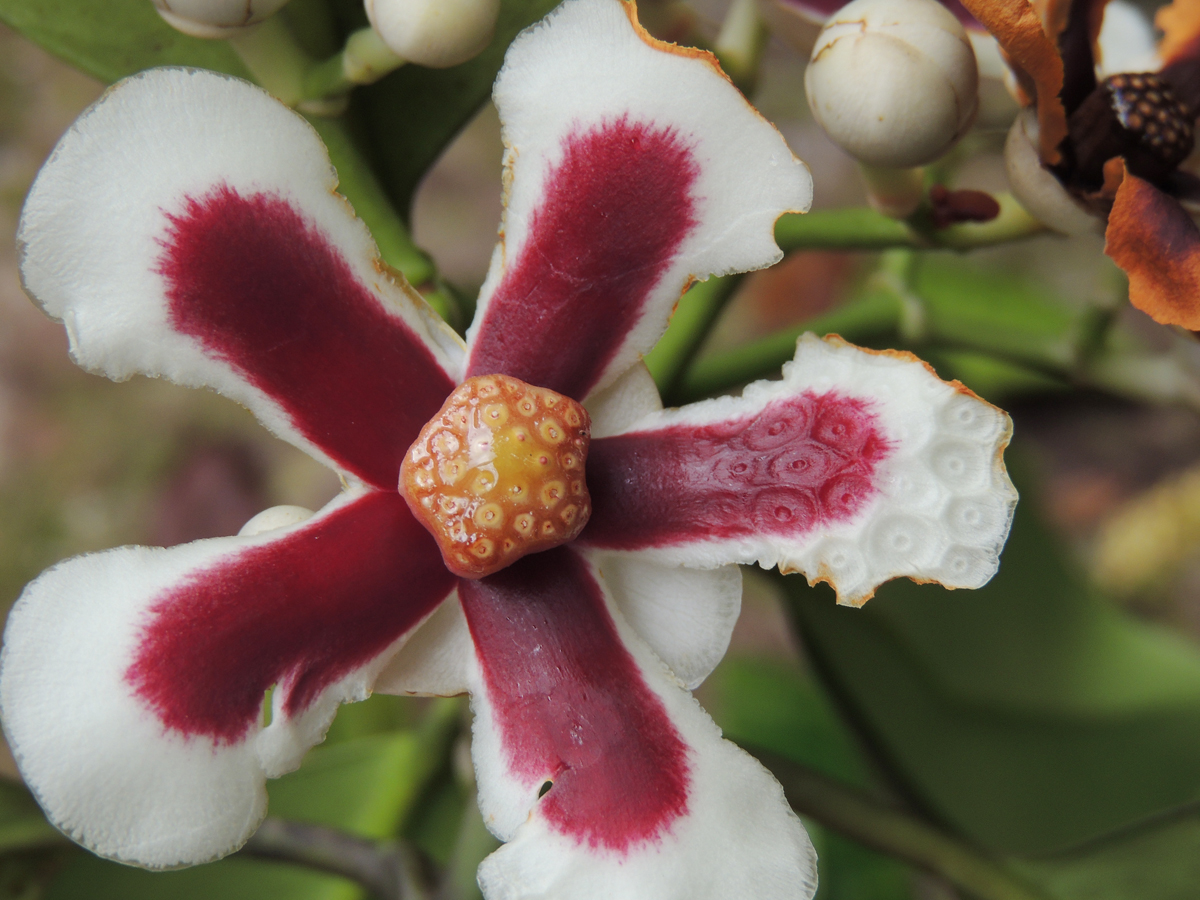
(866,229)
(364,60)
(894,832)
(694,317)
(871,318)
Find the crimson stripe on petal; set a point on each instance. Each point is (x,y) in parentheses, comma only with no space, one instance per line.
(302,612)
(261,288)
(801,462)
(572,706)
(616,210)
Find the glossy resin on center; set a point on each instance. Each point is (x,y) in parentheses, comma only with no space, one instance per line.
(499,473)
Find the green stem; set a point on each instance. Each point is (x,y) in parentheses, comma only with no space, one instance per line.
(364,60)
(385,868)
(273,57)
(694,317)
(357,183)
(895,193)
(867,319)
(896,833)
(866,229)
(1012,224)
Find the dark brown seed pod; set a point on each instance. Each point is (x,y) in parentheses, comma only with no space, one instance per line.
(1135,116)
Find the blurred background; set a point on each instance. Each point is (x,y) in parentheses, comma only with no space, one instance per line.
(1052,712)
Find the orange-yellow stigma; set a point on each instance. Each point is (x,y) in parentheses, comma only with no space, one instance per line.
(498,473)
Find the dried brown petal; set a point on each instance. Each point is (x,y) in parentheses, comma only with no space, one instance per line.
(1017,27)
(1180,25)
(1154,240)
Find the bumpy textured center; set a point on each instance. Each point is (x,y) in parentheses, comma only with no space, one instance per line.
(1134,116)
(498,473)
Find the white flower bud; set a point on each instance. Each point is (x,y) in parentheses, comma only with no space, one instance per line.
(893,82)
(1036,188)
(435,33)
(215,18)
(1127,42)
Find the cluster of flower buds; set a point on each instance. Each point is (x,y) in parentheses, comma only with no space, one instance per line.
(435,33)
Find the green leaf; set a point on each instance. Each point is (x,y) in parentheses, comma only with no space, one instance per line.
(774,706)
(995,309)
(22,825)
(411,115)
(366,786)
(849,871)
(1029,715)
(1159,860)
(996,380)
(116,38)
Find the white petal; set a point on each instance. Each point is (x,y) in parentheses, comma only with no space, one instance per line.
(736,838)
(435,660)
(160,785)
(588,82)
(685,615)
(745,479)
(623,402)
(96,245)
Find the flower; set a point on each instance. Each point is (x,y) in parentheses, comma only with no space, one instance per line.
(434,33)
(187,227)
(1107,153)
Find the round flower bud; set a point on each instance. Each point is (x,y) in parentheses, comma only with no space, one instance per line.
(434,33)
(215,18)
(893,82)
(1035,186)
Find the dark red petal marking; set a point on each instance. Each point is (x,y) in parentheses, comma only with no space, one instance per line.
(615,212)
(262,289)
(801,462)
(571,704)
(300,612)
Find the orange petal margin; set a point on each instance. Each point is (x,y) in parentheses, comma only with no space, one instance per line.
(1151,237)
(1017,26)
(1180,25)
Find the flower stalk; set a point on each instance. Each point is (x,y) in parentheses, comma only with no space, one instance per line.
(894,192)
(364,60)
(385,868)
(866,229)
(274,58)
(694,318)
